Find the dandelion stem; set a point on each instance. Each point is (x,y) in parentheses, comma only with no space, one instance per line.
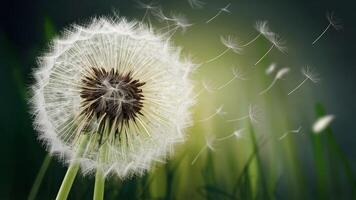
(218,56)
(36,185)
(298,86)
(99,176)
(270,49)
(269,87)
(227,83)
(250,42)
(211,19)
(238,119)
(72,170)
(326,29)
(198,155)
(225,137)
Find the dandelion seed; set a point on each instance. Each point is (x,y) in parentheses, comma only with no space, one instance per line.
(180,22)
(277,42)
(158,13)
(322,123)
(196,4)
(230,44)
(333,22)
(280,74)
(118,85)
(271,68)
(237,134)
(221,10)
(148,7)
(309,75)
(291,131)
(219,111)
(253,115)
(237,74)
(209,144)
(207,86)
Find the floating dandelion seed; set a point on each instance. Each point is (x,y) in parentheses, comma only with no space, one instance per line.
(219,111)
(237,74)
(291,131)
(253,115)
(179,22)
(221,10)
(271,68)
(280,74)
(322,123)
(111,96)
(209,144)
(309,75)
(148,7)
(230,44)
(277,42)
(333,22)
(237,134)
(196,4)
(207,86)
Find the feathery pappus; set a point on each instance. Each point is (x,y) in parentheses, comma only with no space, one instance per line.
(121,85)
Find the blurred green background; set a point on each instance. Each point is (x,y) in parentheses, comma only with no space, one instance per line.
(256,166)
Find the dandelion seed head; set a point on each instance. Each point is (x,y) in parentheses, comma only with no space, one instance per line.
(322,123)
(334,21)
(231,43)
(308,73)
(121,85)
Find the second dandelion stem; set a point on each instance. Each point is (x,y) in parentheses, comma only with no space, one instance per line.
(72,170)
(99,176)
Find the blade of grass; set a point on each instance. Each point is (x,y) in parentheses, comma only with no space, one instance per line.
(36,185)
(335,149)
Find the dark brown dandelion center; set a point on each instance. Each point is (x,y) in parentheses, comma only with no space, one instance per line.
(112,95)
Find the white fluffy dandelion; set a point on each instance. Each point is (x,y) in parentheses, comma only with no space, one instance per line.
(309,75)
(333,22)
(112,96)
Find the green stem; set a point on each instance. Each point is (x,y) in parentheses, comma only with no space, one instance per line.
(99,176)
(36,185)
(72,170)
